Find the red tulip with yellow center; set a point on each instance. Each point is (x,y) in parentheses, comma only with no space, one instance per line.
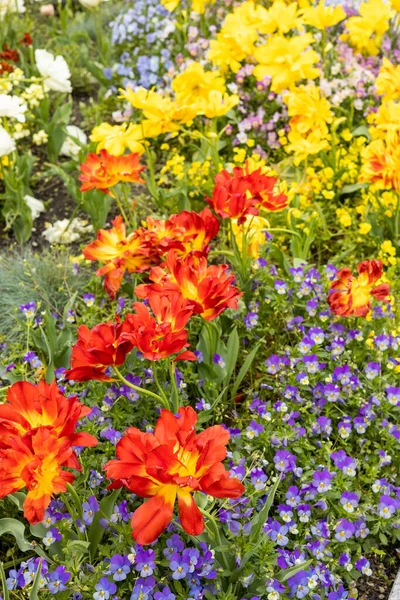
(163,334)
(29,407)
(172,463)
(209,288)
(350,295)
(245,192)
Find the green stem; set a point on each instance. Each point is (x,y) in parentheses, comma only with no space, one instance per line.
(162,393)
(121,208)
(175,401)
(162,401)
(213,529)
(221,253)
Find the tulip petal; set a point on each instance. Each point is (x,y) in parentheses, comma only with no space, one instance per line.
(150,519)
(191,518)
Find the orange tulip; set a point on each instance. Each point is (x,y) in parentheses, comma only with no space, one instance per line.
(134,253)
(105,170)
(208,288)
(29,407)
(37,439)
(351,295)
(172,463)
(185,232)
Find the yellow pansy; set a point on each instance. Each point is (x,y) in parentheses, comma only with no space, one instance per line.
(365,228)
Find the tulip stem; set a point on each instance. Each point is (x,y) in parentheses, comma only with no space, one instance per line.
(162,393)
(162,400)
(175,400)
(121,208)
(221,253)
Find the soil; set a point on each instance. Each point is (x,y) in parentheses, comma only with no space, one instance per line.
(384,571)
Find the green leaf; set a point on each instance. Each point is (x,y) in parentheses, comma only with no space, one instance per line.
(16,529)
(232,351)
(97,205)
(354,187)
(78,546)
(285,574)
(363,131)
(262,516)
(18,498)
(96,531)
(6,593)
(36,583)
(243,370)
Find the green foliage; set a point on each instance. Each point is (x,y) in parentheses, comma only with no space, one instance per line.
(26,277)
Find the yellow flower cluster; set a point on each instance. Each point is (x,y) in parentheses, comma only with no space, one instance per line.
(198,6)
(175,166)
(286,61)
(366,31)
(197,92)
(310,115)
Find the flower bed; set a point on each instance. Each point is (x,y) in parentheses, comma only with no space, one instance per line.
(200,379)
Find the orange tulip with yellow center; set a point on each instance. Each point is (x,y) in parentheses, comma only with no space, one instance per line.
(120,252)
(209,288)
(185,232)
(381,163)
(172,463)
(37,439)
(350,295)
(103,171)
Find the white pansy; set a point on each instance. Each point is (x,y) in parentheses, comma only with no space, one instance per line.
(7,144)
(11,6)
(55,71)
(35,205)
(12,107)
(65,232)
(70,148)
